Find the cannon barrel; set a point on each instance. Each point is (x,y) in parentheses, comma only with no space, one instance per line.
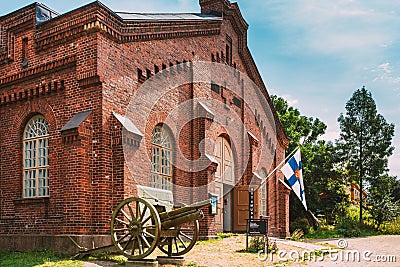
(183,211)
(179,220)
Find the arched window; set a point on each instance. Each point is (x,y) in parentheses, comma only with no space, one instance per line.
(161,155)
(263,194)
(36,158)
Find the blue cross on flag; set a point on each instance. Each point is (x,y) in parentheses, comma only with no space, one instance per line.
(293,171)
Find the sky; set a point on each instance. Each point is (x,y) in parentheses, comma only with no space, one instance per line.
(314,53)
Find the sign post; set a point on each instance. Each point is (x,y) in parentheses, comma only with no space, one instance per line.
(256,227)
(251,203)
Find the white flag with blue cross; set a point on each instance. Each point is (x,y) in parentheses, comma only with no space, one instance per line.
(293,171)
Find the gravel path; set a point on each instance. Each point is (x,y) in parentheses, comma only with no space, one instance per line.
(374,251)
(222,253)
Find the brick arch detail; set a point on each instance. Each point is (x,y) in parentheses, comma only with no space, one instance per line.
(35,108)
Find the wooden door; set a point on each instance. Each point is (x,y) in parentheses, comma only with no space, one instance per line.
(224,178)
(241,207)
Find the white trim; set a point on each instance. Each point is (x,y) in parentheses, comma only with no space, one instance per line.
(283,182)
(211,158)
(127,124)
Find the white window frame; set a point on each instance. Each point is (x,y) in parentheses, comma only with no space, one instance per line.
(35,163)
(161,158)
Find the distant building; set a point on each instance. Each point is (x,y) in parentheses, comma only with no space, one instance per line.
(62,104)
(355,194)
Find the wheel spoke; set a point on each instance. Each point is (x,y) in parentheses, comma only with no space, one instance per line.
(143,213)
(121,221)
(120,229)
(140,244)
(183,243)
(126,215)
(122,237)
(145,241)
(127,243)
(133,245)
(176,245)
(147,233)
(138,218)
(148,218)
(185,235)
(131,212)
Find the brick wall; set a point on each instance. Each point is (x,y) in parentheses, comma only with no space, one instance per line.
(89,59)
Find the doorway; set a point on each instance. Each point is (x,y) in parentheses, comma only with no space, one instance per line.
(228,208)
(224,184)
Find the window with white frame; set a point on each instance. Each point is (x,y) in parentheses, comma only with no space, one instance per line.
(36,158)
(263,194)
(161,155)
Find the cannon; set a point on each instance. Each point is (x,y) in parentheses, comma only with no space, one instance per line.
(140,224)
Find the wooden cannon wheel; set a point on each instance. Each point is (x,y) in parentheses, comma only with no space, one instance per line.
(185,239)
(135,228)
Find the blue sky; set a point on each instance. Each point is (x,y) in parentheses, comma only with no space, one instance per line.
(314,53)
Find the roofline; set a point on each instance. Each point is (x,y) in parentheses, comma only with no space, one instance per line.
(172,19)
(82,7)
(49,8)
(116,13)
(34,4)
(18,10)
(170,13)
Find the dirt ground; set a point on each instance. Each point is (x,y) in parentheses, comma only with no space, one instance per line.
(369,251)
(373,251)
(226,252)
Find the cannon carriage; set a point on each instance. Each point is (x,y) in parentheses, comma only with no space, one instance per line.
(140,224)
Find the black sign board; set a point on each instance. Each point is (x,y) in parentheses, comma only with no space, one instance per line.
(257,227)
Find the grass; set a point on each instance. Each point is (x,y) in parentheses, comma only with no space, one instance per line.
(391,228)
(324,232)
(348,226)
(47,258)
(330,231)
(220,236)
(108,257)
(44,258)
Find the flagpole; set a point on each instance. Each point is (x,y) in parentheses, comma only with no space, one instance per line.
(279,165)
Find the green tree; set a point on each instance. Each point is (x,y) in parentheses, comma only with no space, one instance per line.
(295,125)
(396,190)
(382,204)
(324,188)
(365,141)
(384,209)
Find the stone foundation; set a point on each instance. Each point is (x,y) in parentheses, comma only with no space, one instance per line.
(61,244)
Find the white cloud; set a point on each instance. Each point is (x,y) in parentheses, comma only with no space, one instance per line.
(385,72)
(327,26)
(330,135)
(290,100)
(385,67)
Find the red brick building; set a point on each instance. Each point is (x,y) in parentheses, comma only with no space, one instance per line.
(354,192)
(65,84)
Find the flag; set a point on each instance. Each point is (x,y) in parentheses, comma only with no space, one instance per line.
(293,171)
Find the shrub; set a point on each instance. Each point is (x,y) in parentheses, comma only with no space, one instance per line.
(297,235)
(302,224)
(258,243)
(348,227)
(323,232)
(391,228)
